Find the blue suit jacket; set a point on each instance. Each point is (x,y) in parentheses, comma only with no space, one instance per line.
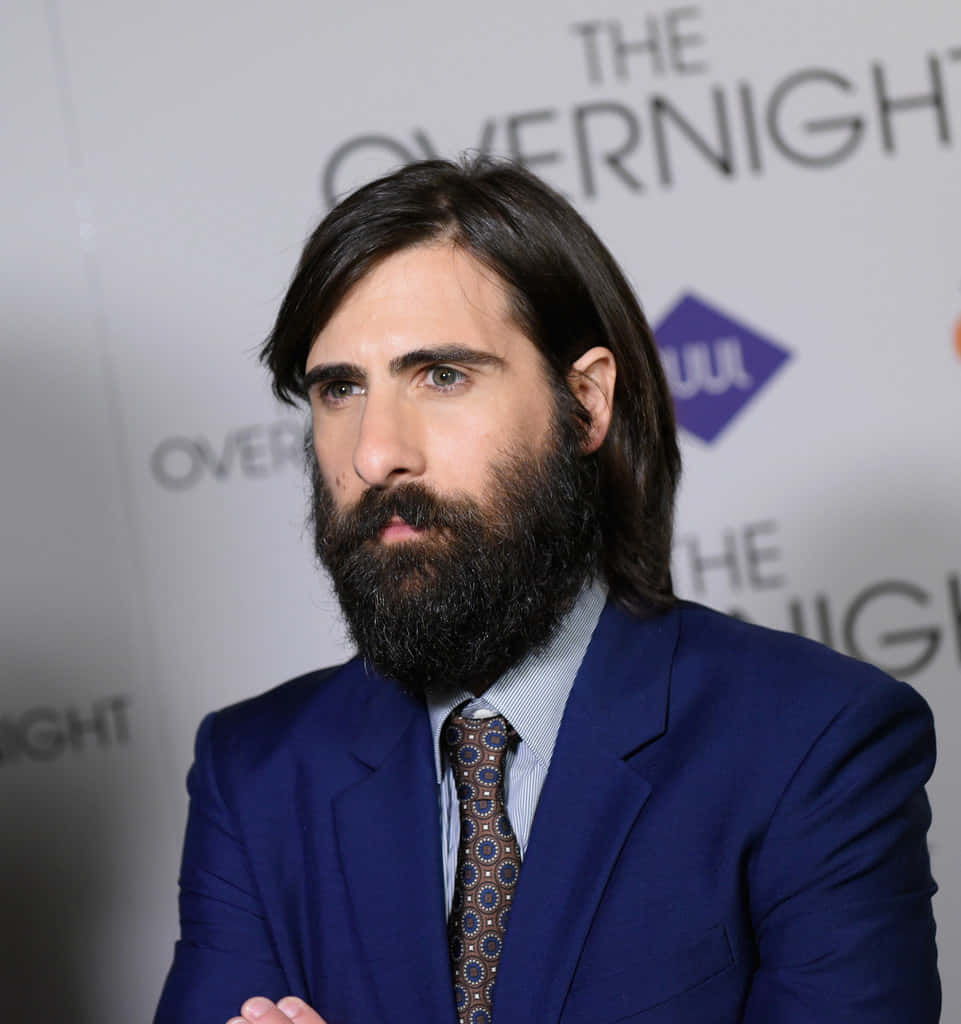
(732,830)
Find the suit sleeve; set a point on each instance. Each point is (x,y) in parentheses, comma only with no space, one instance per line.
(225,952)
(841,885)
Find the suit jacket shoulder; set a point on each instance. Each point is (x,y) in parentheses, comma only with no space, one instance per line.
(781,842)
(319,717)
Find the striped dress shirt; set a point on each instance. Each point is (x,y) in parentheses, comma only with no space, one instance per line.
(531,696)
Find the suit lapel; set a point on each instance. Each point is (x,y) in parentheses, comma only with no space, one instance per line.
(388,835)
(590,801)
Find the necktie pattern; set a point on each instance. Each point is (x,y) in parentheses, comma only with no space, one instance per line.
(488,861)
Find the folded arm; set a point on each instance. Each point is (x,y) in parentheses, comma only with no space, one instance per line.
(225,951)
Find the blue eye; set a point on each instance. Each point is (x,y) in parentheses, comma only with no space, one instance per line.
(445,376)
(338,390)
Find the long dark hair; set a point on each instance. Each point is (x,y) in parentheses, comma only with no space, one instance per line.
(567,294)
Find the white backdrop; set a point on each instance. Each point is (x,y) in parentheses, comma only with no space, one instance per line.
(791,168)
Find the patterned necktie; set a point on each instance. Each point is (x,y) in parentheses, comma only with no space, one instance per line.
(488,861)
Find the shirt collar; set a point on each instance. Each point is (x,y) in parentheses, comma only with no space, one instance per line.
(533,693)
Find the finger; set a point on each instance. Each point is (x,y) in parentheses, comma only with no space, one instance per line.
(297,1010)
(259,1010)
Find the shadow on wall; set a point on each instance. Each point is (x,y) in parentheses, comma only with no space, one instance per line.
(90,822)
(57,860)
(88,853)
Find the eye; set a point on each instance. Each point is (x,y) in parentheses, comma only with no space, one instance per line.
(337,391)
(445,377)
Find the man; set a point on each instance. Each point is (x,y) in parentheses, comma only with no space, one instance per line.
(730,822)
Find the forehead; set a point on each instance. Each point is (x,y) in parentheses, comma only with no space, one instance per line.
(425,295)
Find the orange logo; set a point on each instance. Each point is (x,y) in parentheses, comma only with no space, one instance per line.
(957,337)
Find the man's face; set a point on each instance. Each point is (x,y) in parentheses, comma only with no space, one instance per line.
(421,376)
(451,503)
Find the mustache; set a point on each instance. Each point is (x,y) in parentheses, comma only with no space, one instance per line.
(416,504)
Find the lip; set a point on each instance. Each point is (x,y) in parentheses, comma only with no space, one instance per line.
(397,530)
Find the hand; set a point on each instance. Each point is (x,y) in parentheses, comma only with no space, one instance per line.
(259,1010)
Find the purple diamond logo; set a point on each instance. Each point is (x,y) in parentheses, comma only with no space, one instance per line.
(715,365)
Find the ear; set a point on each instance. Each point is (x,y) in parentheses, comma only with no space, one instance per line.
(591,380)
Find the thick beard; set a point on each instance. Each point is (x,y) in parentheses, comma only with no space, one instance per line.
(491,581)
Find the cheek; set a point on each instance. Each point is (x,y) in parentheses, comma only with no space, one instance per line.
(339,484)
(462,456)
(460,450)
(333,471)
(524,423)
(333,441)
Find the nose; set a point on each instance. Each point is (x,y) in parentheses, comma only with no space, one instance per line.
(389,447)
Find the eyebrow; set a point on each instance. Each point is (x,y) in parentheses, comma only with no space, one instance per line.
(326,372)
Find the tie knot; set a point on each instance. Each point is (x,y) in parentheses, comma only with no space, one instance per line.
(477,747)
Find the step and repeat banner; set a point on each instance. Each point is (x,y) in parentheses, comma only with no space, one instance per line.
(782,183)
